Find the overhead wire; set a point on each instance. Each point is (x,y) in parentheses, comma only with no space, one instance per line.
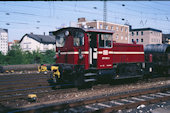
(152,7)
(24,23)
(161,3)
(97,13)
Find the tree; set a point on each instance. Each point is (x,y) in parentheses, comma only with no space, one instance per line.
(37,57)
(28,58)
(15,55)
(49,57)
(2,58)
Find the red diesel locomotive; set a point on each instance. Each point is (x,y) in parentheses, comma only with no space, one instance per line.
(88,55)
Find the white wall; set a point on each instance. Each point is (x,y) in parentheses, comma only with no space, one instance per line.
(29,44)
(4,42)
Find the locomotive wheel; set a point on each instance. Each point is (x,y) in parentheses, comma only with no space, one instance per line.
(79,81)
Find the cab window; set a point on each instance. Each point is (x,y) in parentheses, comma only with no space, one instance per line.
(78,38)
(105,40)
(60,39)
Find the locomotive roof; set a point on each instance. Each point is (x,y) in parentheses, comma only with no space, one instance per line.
(87,30)
(98,31)
(157,48)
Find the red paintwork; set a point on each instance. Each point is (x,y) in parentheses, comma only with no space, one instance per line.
(73,58)
(150,57)
(103,61)
(111,59)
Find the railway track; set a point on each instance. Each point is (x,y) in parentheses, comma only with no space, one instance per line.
(110,103)
(16,88)
(40,91)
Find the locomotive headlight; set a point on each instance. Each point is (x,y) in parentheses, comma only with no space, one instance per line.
(58,54)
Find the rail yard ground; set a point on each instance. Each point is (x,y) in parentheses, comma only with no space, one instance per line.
(16,87)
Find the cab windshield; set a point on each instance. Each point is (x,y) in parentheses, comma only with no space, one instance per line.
(105,40)
(60,39)
(78,38)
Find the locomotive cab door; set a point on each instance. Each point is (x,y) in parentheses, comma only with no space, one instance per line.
(92,49)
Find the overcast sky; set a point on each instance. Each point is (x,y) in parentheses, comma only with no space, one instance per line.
(38,17)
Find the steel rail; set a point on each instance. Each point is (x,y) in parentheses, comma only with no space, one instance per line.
(21,93)
(54,107)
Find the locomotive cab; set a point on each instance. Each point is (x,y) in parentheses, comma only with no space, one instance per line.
(71,48)
(76,46)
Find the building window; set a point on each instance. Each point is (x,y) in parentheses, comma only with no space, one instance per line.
(132,40)
(121,37)
(141,32)
(136,33)
(106,27)
(152,40)
(142,40)
(121,29)
(117,28)
(117,36)
(132,33)
(137,40)
(126,30)
(111,27)
(125,38)
(100,26)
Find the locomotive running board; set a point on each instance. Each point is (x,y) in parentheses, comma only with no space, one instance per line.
(90,74)
(125,77)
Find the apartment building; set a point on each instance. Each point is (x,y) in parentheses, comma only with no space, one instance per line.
(33,42)
(146,36)
(3,41)
(121,34)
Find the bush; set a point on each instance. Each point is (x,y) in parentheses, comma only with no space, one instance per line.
(17,56)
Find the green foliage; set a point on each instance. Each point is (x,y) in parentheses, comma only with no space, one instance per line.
(49,57)
(2,58)
(17,56)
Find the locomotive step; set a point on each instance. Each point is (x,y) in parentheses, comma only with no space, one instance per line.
(89,80)
(90,74)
